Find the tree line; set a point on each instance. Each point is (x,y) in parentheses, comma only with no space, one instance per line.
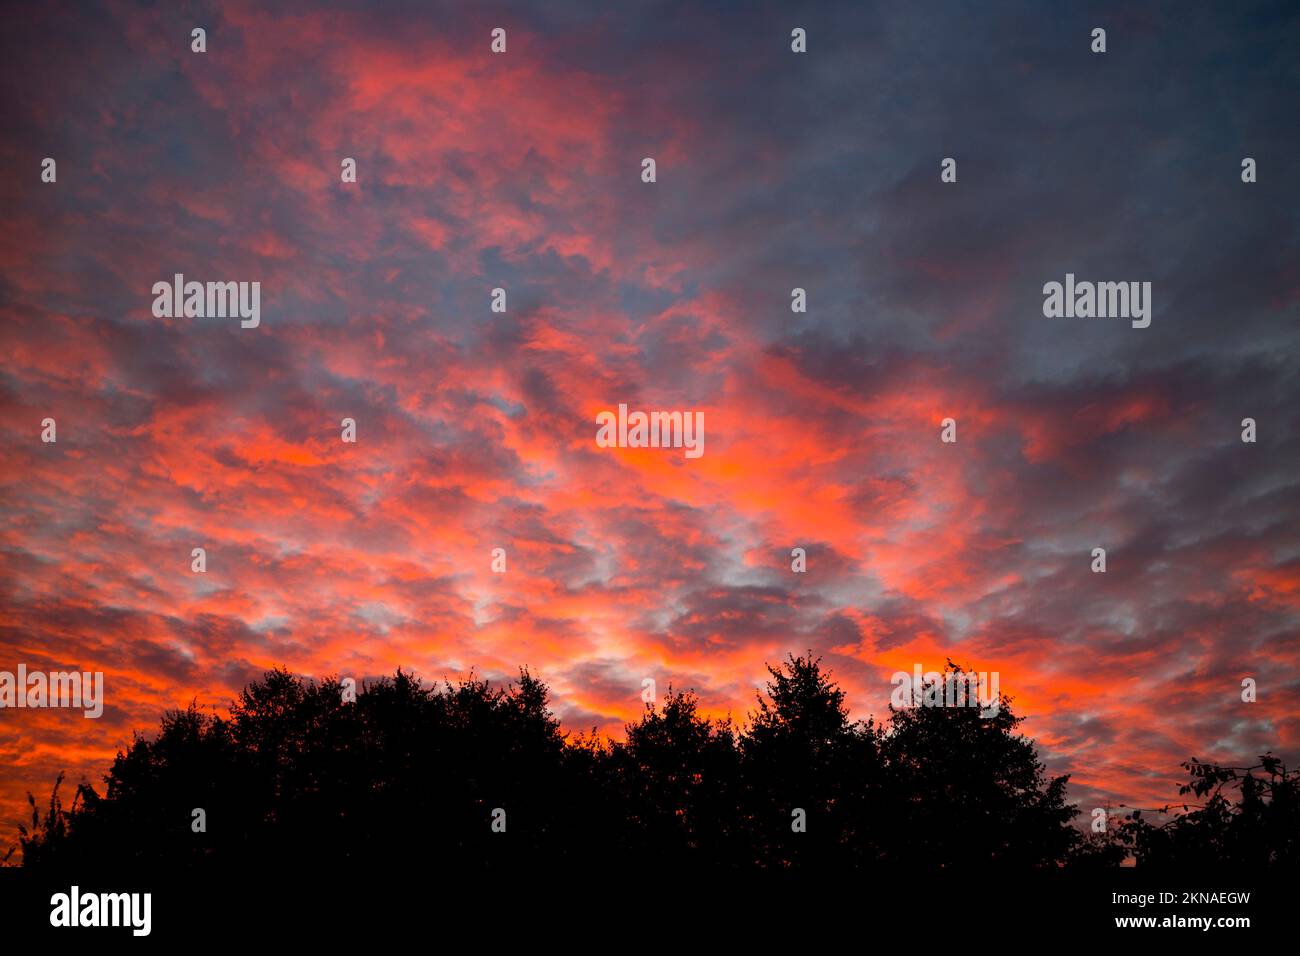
(483,777)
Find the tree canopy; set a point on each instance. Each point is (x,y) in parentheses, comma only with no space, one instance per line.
(485,776)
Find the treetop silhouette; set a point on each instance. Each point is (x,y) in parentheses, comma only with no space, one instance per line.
(296,773)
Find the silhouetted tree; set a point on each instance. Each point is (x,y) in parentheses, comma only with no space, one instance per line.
(967,789)
(675,779)
(1250,818)
(295,776)
(802,753)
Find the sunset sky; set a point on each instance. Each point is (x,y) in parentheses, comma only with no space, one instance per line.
(476,430)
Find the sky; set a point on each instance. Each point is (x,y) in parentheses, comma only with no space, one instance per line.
(476,429)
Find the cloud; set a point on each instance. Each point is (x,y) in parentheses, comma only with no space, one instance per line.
(476,429)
